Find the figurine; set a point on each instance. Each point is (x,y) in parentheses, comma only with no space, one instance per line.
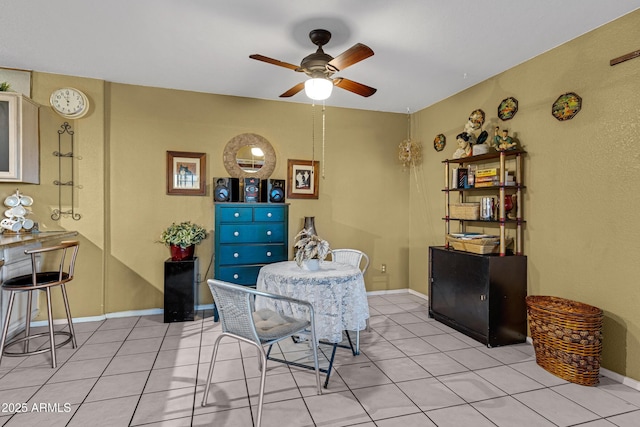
(464,146)
(504,142)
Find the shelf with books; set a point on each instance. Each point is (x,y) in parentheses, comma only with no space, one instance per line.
(497,173)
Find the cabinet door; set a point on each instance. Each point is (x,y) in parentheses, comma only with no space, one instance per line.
(8,147)
(459,289)
(19,139)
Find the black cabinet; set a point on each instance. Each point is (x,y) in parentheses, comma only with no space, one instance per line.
(482,296)
(180,280)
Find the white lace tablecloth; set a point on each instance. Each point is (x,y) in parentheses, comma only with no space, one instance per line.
(336,292)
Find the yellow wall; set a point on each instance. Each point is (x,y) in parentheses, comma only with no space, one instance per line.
(581,176)
(580,204)
(121,147)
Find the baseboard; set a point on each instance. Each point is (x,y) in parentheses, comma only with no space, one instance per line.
(629,382)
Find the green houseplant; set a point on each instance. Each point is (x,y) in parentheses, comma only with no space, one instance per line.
(310,247)
(182,238)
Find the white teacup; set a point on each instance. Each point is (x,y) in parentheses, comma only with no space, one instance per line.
(11,224)
(12,201)
(26,201)
(19,211)
(27,224)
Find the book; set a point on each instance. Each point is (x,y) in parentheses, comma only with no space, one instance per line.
(462,177)
(487,184)
(487,172)
(454,178)
(486,179)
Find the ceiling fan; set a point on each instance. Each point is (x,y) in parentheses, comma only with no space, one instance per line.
(320,67)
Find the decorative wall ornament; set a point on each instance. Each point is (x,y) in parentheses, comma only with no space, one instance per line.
(439,142)
(409,151)
(507,108)
(566,106)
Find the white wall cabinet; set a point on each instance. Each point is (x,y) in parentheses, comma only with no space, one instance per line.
(19,139)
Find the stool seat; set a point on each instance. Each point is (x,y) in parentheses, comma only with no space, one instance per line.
(46,278)
(35,281)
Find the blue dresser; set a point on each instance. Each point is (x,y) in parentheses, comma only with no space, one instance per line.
(248,236)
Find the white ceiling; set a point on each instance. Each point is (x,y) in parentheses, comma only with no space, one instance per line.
(425,50)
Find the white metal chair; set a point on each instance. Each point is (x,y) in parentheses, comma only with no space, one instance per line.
(260,328)
(352,257)
(358,259)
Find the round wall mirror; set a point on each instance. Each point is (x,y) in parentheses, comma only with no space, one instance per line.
(249,155)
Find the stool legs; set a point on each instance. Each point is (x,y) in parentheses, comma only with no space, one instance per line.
(68,310)
(52,342)
(5,327)
(27,326)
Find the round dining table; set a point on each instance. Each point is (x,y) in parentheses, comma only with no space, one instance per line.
(335,290)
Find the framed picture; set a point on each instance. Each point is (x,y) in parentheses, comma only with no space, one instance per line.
(19,80)
(302,177)
(186,173)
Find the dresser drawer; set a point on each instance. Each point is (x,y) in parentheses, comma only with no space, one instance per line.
(252,233)
(241,275)
(268,213)
(235,214)
(251,254)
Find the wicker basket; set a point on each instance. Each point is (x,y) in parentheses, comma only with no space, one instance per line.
(567,338)
(464,210)
(489,245)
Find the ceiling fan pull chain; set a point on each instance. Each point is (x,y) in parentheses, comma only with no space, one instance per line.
(323,132)
(313,133)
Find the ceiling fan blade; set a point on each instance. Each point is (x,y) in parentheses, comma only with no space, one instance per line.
(355,54)
(297,88)
(275,62)
(355,87)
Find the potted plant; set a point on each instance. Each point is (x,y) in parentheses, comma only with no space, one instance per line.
(182,238)
(310,249)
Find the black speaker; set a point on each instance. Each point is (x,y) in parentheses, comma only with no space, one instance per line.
(226,190)
(273,190)
(251,190)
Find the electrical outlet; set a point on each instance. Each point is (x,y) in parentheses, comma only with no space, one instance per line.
(383,268)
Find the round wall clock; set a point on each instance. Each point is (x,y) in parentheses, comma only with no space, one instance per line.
(70,103)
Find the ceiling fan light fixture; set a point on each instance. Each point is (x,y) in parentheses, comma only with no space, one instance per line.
(318,89)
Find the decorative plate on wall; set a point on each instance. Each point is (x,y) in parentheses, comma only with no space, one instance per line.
(439,142)
(507,108)
(566,106)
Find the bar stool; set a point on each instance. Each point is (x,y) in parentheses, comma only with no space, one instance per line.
(42,281)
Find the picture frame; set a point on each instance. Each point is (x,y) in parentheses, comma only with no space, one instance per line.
(186,173)
(20,80)
(302,179)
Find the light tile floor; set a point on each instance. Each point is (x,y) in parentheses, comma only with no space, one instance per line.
(413,371)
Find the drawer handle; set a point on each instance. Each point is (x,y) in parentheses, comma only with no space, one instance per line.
(269,253)
(269,215)
(483,297)
(237,214)
(236,254)
(236,233)
(269,233)
(235,276)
